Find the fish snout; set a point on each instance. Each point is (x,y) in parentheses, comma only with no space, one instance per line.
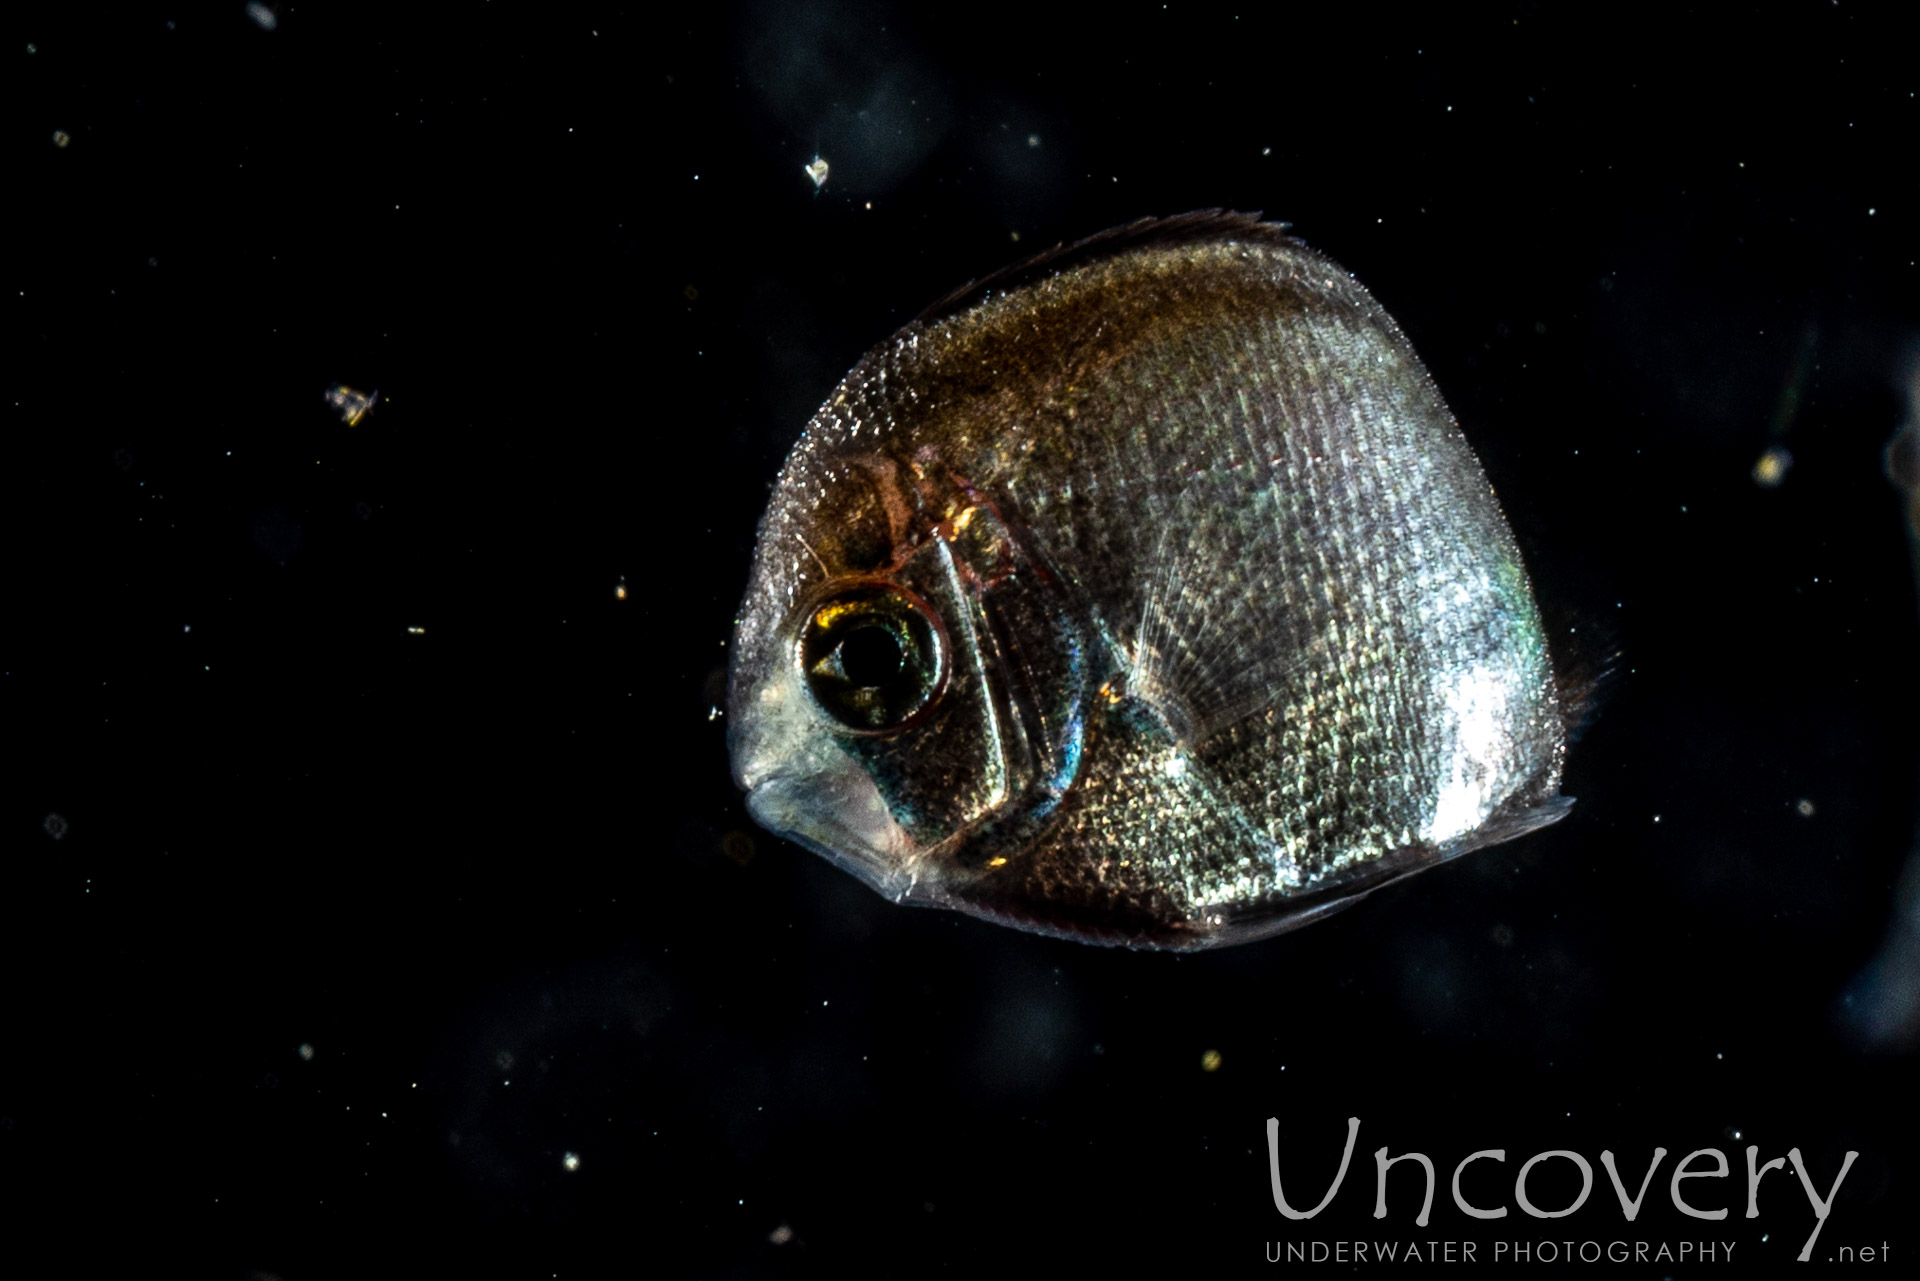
(838,813)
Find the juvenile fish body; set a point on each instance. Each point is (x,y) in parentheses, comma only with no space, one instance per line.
(1144,594)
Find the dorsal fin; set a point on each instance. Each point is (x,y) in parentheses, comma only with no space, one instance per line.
(1181,229)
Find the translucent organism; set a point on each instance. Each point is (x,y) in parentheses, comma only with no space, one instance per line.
(351,405)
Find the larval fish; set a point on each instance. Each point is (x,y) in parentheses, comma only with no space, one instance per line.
(1146,593)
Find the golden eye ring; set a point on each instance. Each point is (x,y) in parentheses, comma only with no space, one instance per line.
(873,655)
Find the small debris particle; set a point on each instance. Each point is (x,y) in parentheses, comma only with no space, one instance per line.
(1772,467)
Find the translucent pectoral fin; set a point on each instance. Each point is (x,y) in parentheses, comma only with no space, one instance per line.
(1231,604)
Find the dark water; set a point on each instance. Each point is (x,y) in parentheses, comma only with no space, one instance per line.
(493,874)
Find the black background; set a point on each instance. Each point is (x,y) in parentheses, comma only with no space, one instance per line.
(494,875)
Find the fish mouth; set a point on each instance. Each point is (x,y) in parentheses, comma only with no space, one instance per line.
(837,812)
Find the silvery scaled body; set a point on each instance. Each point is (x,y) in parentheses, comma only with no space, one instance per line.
(1146,594)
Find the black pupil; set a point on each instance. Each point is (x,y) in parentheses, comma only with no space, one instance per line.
(870,655)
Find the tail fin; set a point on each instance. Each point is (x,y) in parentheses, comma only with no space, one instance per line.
(1588,679)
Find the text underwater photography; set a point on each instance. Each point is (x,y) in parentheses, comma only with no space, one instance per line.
(1378,686)
(1545,1249)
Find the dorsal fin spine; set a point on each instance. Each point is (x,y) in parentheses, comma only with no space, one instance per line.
(1198,227)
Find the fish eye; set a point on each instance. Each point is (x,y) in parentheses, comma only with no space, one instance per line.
(874,657)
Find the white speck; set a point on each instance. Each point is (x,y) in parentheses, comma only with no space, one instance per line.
(306,1051)
(816,170)
(570,1162)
